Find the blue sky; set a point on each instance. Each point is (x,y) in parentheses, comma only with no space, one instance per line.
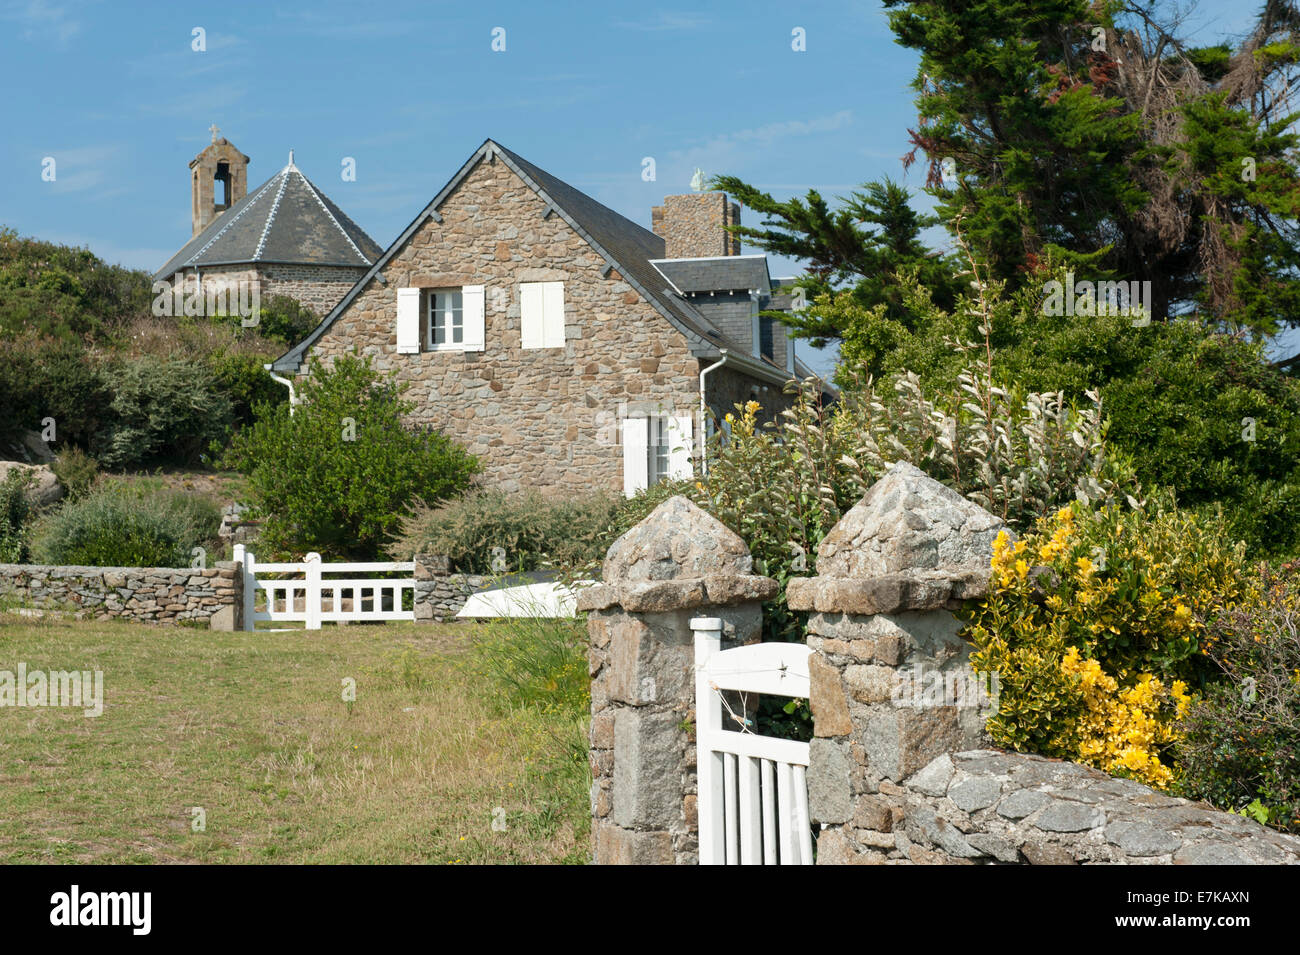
(116,94)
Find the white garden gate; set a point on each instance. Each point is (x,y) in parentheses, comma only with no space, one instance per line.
(753,790)
(316,594)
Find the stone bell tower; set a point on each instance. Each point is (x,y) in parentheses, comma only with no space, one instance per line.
(218,179)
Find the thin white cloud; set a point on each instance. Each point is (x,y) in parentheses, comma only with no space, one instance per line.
(77,169)
(666,20)
(41,21)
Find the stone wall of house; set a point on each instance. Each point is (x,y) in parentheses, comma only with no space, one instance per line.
(319,287)
(146,594)
(543,418)
(694,225)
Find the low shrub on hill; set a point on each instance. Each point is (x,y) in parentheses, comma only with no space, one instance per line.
(118,525)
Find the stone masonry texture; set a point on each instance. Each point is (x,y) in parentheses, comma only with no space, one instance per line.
(900,770)
(693,225)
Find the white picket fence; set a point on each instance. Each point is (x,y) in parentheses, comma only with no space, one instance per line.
(753,790)
(317,595)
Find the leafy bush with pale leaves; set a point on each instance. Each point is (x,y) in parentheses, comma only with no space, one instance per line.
(118,525)
(527,530)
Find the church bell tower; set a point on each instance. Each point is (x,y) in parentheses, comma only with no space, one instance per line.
(218,179)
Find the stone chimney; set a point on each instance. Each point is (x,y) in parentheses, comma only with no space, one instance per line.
(693,225)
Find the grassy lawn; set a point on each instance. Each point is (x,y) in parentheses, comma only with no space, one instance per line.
(253,728)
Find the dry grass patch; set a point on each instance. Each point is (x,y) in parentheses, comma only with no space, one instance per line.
(253,728)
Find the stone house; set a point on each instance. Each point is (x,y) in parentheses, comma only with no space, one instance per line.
(567,347)
(286,237)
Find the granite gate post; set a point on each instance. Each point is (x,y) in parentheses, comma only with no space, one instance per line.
(676,564)
(891,682)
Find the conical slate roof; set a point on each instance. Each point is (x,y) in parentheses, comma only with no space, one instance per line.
(286,220)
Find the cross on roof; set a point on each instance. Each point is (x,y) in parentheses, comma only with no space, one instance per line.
(214,129)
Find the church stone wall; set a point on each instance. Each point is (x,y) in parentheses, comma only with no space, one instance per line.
(319,287)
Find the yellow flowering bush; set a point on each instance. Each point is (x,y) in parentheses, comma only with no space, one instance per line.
(1124,730)
(1095,625)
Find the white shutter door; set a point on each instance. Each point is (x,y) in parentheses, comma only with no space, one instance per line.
(680,447)
(471,297)
(636,440)
(553,310)
(531,315)
(408,320)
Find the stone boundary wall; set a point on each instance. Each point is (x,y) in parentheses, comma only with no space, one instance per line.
(900,769)
(676,564)
(987,807)
(145,594)
(440,594)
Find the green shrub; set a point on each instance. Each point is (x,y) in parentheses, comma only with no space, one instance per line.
(1198,411)
(530,529)
(44,378)
(117,525)
(336,475)
(1094,625)
(14,512)
(1241,744)
(162,410)
(241,377)
(285,320)
(76,471)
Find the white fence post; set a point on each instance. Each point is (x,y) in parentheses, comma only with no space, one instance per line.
(708,720)
(247,583)
(312,590)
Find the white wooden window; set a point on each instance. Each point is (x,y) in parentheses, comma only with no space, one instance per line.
(541,314)
(656,447)
(449,319)
(446,313)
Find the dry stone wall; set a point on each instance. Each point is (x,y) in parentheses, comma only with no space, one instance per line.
(147,594)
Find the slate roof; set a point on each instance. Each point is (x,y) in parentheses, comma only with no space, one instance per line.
(629,248)
(286,220)
(722,273)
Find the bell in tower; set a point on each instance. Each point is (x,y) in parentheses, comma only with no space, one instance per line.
(218,179)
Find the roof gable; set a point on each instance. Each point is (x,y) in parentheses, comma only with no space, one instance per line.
(285,220)
(628,248)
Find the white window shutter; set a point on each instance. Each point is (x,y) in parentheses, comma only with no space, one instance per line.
(408,321)
(636,440)
(553,310)
(680,447)
(472,302)
(531,313)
